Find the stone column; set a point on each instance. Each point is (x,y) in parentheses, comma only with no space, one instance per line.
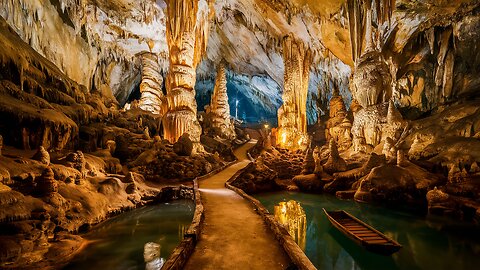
(187,39)
(151,85)
(219,107)
(292,115)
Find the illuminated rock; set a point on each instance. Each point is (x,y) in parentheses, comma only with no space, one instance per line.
(151,98)
(292,115)
(42,155)
(374,124)
(187,33)
(338,126)
(218,113)
(46,183)
(335,162)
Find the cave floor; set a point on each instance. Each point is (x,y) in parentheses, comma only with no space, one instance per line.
(234,236)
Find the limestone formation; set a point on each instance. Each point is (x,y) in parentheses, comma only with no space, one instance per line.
(42,155)
(218,114)
(372,80)
(151,98)
(46,183)
(292,115)
(146,134)
(335,162)
(374,124)
(111,145)
(77,160)
(338,126)
(184,145)
(187,33)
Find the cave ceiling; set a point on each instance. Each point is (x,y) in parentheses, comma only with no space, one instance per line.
(246,34)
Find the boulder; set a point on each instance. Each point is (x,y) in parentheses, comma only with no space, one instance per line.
(184,146)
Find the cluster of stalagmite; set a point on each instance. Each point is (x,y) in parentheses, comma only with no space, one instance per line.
(187,32)
(218,113)
(151,98)
(292,115)
(338,126)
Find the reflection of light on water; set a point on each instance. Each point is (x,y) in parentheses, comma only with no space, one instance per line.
(292,216)
(182,230)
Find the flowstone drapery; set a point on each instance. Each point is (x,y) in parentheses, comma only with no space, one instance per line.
(292,115)
(187,33)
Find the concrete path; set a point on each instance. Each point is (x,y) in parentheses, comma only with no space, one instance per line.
(233,235)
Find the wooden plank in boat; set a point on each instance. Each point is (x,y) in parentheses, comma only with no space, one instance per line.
(366,234)
(377,241)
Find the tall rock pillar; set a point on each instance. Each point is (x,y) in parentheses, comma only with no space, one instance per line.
(187,32)
(219,111)
(292,115)
(151,85)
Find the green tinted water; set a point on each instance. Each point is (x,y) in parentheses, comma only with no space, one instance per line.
(428,243)
(119,242)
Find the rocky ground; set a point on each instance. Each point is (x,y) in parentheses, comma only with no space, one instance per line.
(71,158)
(433,169)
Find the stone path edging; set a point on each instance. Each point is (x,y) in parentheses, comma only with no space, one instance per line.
(295,253)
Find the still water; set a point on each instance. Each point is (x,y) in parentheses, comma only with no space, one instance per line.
(119,242)
(428,242)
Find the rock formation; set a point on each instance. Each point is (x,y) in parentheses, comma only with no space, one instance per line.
(292,116)
(218,113)
(338,126)
(187,33)
(335,162)
(46,183)
(151,98)
(374,124)
(42,155)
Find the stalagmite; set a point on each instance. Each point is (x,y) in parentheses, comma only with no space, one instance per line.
(186,38)
(219,110)
(151,86)
(338,127)
(292,115)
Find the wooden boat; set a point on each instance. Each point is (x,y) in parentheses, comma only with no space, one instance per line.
(362,233)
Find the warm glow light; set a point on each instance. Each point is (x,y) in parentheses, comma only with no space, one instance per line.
(293,217)
(284,138)
(266,126)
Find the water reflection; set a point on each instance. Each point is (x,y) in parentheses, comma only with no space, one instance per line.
(427,243)
(138,239)
(292,216)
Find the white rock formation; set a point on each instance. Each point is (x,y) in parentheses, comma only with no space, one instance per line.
(151,87)
(292,116)
(187,33)
(218,115)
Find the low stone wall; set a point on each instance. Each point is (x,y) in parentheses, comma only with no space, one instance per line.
(295,253)
(184,250)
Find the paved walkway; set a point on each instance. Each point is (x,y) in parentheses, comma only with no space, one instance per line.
(234,236)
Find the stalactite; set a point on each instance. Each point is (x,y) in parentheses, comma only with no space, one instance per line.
(292,116)
(186,38)
(361,20)
(151,86)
